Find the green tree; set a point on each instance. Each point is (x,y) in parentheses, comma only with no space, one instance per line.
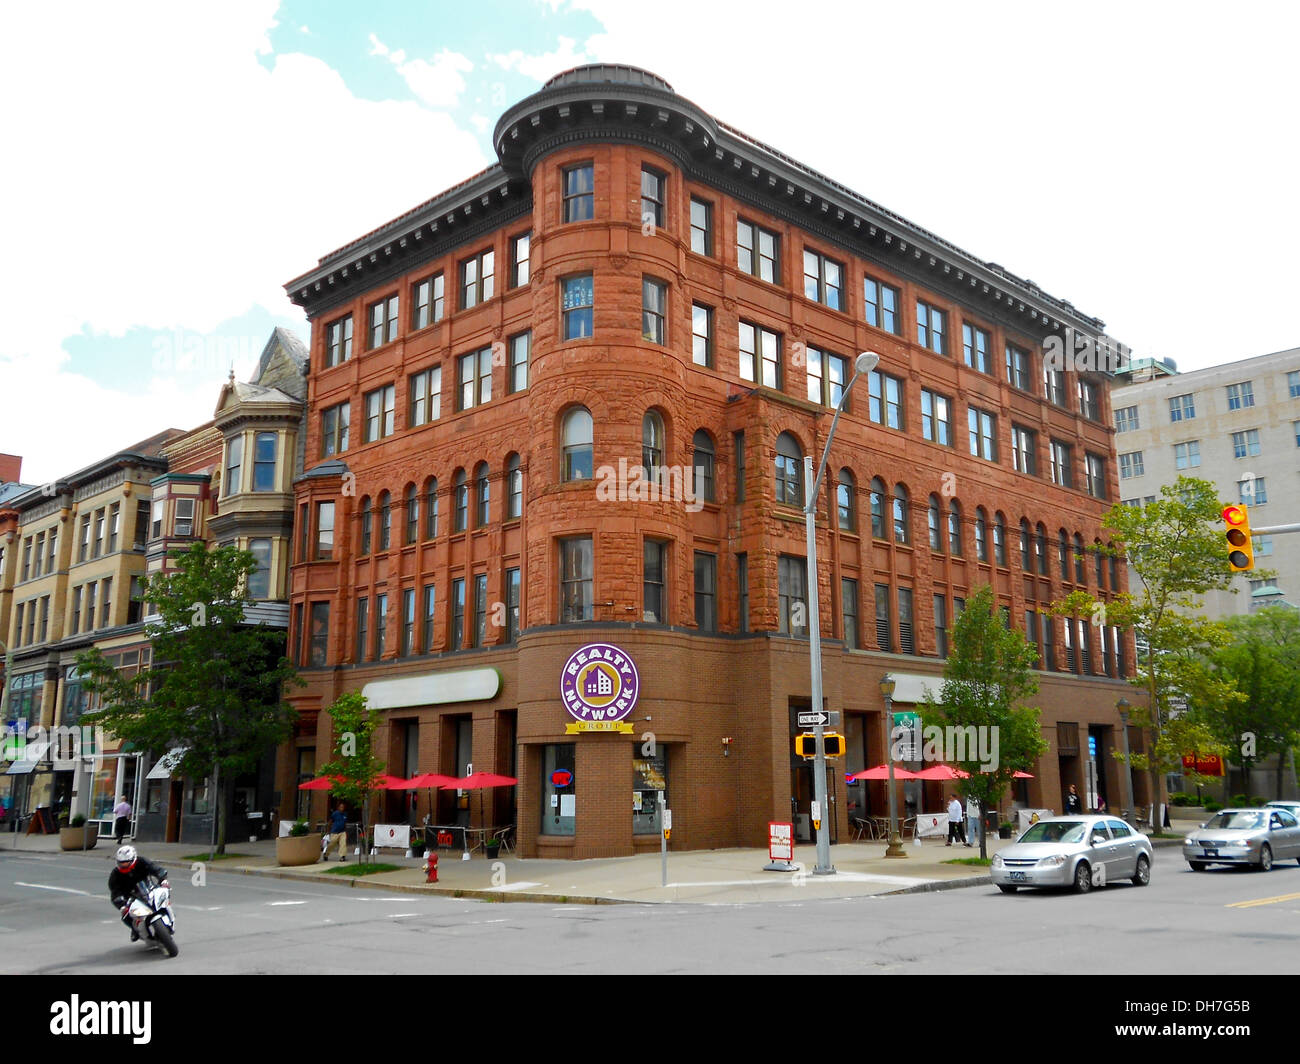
(353,765)
(988,674)
(1174,548)
(216,684)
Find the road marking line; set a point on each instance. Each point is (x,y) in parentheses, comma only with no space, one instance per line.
(286,903)
(61,890)
(1261,901)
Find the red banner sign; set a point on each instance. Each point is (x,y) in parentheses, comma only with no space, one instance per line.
(1209,765)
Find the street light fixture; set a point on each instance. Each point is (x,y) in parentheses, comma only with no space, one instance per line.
(1123,706)
(864,363)
(895,847)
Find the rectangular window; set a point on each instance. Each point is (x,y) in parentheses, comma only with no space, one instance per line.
(706,591)
(1245,444)
(1252,491)
(475,376)
(264,456)
(1054,387)
(1241,395)
(880,304)
(654,580)
(1062,464)
(380,411)
(1263,548)
(383,322)
(135,602)
(480,610)
(184,517)
(324,531)
(363,629)
(760,347)
(1070,664)
(408,621)
(425,391)
(338,342)
(886,399)
(334,423)
(1048,651)
(476,279)
(99,538)
(91,588)
(884,627)
(1126,419)
(975,344)
(320,634)
(578,303)
(654,310)
(156,519)
(758,252)
(75,626)
(931,325)
(559,804)
(519,347)
(823,279)
(1089,400)
(430,598)
(428,302)
(849,609)
(936,424)
(1293,384)
(234,466)
(576,603)
(1024,450)
(827,376)
(742,591)
(381,625)
(512,604)
(579,193)
(792,608)
(259,582)
(983,429)
(114,527)
(1019,374)
(654,194)
(457,614)
(941,625)
(1031,635)
(140,538)
(906,639)
(702,335)
(701,227)
(519,261)
(1096,476)
(1182,407)
(1131,465)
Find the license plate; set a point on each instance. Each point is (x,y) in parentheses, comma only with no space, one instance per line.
(1211,853)
(1018,877)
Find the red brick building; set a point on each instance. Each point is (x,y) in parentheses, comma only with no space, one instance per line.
(636,286)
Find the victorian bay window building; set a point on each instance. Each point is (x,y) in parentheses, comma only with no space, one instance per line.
(607,574)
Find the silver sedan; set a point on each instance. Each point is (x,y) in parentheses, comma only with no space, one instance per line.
(1244,837)
(1078,851)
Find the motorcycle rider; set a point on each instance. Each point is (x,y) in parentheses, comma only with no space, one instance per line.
(131,869)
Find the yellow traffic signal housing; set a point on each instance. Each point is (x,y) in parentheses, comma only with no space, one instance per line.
(1236,535)
(805,745)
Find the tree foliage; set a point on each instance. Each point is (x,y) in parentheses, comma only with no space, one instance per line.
(353,765)
(215,686)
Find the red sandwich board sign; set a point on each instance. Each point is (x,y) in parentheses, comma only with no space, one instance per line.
(780,841)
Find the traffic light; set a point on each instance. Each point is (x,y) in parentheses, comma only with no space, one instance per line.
(805,745)
(1236,533)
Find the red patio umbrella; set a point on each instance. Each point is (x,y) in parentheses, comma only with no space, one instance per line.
(321,783)
(1018,775)
(480,781)
(430,780)
(942,772)
(881,772)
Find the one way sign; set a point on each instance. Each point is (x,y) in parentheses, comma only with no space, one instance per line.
(811,720)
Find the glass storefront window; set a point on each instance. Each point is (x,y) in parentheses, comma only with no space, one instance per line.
(649,780)
(198,796)
(559,793)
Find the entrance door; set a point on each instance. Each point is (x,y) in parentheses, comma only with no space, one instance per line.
(805,794)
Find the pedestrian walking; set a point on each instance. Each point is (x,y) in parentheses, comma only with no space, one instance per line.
(1073,803)
(972,820)
(955,829)
(121,825)
(339,829)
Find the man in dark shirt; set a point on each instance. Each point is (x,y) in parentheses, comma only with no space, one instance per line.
(131,869)
(338,824)
(1073,803)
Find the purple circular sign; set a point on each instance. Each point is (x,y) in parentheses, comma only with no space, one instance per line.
(599,683)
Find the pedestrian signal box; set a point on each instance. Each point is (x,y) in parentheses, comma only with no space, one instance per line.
(805,745)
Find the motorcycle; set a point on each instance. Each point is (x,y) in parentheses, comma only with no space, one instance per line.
(151,914)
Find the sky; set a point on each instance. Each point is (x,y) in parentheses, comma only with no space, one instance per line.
(169,166)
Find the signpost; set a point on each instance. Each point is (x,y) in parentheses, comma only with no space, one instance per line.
(780,847)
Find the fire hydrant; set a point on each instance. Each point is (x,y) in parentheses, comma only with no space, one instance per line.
(431,866)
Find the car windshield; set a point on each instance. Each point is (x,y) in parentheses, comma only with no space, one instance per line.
(1229,821)
(1056,831)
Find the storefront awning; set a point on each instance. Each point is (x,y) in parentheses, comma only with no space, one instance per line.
(32,756)
(166,764)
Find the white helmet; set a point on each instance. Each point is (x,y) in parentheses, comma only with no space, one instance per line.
(126,856)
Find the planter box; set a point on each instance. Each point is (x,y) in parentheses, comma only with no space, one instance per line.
(82,838)
(298,849)
(1188,812)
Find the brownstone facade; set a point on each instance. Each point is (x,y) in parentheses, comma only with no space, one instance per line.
(694,292)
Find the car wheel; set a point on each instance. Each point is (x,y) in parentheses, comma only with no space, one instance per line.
(1265,858)
(1143,874)
(1197,866)
(1007,888)
(1082,878)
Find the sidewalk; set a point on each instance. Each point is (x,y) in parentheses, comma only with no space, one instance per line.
(718,877)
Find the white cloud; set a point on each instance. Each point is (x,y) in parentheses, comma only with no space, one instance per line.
(544,66)
(172,180)
(438,83)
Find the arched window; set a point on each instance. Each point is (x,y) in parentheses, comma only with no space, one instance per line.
(901,534)
(954,528)
(461,489)
(702,463)
(652,445)
(367,523)
(431,508)
(846,501)
(1040,549)
(1080,569)
(482,493)
(1063,549)
(789,470)
(575,440)
(385,521)
(1101,565)
(878,508)
(1026,548)
(933,517)
(999,538)
(514,488)
(412,513)
(981,534)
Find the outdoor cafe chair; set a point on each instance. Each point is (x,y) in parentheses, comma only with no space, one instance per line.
(503,836)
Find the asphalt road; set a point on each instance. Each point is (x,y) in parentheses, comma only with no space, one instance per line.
(55,917)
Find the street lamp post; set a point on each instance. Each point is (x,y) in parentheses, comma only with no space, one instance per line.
(1123,706)
(865,363)
(895,847)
